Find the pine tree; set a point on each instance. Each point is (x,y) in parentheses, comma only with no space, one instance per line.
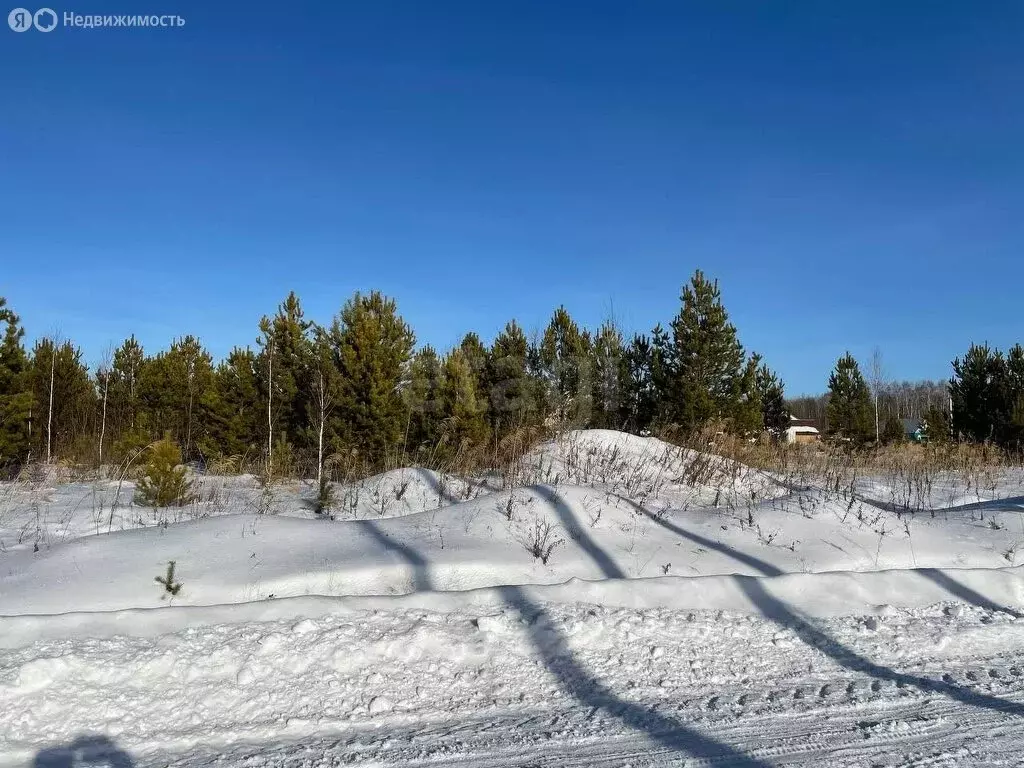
(707,361)
(15,395)
(232,408)
(63,397)
(103,379)
(663,366)
(464,424)
(324,385)
(610,379)
(423,401)
(774,412)
(1012,434)
(978,390)
(475,354)
(164,482)
(129,360)
(892,433)
(639,393)
(173,388)
(564,357)
(285,356)
(510,388)
(937,428)
(192,367)
(747,415)
(372,348)
(849,410)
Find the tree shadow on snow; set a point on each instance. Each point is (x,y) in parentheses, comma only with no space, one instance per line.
(554,651)
(1011,504)
(576,681)
(442,493)
(85,752)
(779,612)
(965,593)
(754,562)
(421,570)
(608,567)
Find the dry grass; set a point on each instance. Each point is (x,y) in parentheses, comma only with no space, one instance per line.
(917,477)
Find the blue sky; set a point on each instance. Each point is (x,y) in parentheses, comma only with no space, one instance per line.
(851,172)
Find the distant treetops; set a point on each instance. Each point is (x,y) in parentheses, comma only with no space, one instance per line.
(306,394)
(983,402)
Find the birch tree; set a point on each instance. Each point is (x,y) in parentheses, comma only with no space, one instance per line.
(324,386)
(103,385)
(876,372)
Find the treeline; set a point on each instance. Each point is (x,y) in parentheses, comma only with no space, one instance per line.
(308,396)
(983,402)
(896,400)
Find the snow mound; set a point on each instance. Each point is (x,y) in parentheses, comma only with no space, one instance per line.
(540,534)
(401,492)
(644,468)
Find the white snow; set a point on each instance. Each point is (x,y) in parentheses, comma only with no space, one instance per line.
(690,607)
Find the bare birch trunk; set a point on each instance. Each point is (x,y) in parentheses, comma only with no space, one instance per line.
(49,415)
(320,436)
(270,421)
(103,418)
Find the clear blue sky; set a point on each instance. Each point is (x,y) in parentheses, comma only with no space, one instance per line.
(851,172)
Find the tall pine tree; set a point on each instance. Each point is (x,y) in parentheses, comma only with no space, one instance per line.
(464,423)
(423,400)
(774,412)
(372,347)
(977,393)
(609,380)
(63,398)
(15,396)
(284,360)
(565,361)
(849,412)
(640,393)
(706,360)
(232,408)
(510,388)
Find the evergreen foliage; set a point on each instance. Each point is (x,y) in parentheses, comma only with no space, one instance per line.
(15,397)
(705,361)
(423,402)
(465,424)
(850,414)
(892,432)
(774,411)
(171,587)
(282,369)
(306,396)
(231,408)
(62,397)
(372,348)
(565,370)
(510,388)
(640,395)
(937,427)
(987,393)
(610,379)
(747,417)
(164,482)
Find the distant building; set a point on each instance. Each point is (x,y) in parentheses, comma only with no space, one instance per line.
(802,431)
(913,430)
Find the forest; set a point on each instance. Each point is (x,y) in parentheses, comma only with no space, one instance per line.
(359,392)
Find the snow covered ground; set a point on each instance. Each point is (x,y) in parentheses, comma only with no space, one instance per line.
(691,611)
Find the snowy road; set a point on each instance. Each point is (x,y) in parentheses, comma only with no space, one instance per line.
(531,685)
